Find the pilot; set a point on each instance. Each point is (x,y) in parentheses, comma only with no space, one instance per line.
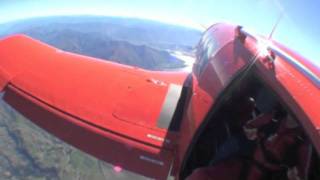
(229,169)
(225,165)
(237,143)
(279,141)
(280,152)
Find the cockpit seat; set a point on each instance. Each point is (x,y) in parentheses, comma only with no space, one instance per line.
(280,150)
(224,170)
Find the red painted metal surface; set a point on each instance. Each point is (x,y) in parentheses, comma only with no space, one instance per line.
(95,105)
(110,147)
(118,103)
(297,91)
(222,66)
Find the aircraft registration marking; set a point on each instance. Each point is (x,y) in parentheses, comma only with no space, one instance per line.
(157,138)
(151,160)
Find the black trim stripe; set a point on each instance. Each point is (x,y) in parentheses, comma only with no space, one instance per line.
(169,106)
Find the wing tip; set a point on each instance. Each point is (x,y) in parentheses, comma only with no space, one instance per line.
(15,37)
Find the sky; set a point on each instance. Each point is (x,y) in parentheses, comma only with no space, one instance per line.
(299,27)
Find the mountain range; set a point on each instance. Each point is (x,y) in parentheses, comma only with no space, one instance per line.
(136,42)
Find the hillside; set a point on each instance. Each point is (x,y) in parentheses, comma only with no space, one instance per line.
(141,43)
(105,48)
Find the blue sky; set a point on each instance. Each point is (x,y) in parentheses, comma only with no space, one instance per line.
(299,28)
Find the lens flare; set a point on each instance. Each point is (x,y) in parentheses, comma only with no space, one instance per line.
(263,50)
(117,169)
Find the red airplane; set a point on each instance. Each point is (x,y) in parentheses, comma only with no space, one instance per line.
(249,109)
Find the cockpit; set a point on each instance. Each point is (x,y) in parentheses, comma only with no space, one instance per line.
(252,135)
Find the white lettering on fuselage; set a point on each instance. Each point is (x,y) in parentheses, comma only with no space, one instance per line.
(151,136)
(149,159)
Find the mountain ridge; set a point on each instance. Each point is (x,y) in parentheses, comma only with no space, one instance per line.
(141,43)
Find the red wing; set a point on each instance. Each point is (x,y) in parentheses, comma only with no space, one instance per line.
(106,104)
